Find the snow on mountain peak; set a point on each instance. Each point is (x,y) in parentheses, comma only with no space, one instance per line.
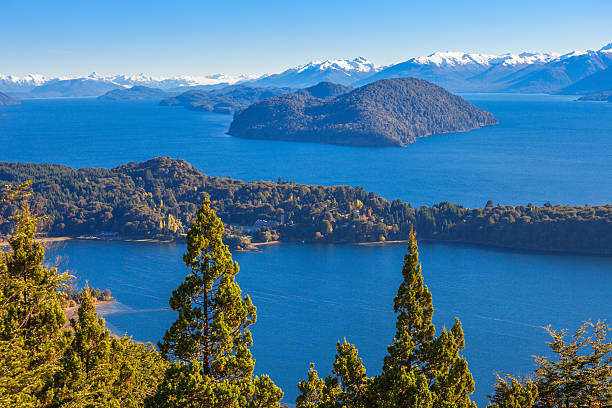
(359,64)
(606,48)
(450,59)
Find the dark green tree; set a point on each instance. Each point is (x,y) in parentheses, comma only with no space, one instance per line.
(414,308)
(31,316)
(209,342)
(416,356)
(101,370)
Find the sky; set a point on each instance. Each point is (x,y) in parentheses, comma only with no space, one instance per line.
(185,37)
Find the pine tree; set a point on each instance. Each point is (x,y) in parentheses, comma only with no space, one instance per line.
(45,364)
(511,392)
(98,369)
(318,393)
(582,372)
(34,311)
(85,369)
(31,317)
(417,358)
(351,375)
(414,308)
(209,342)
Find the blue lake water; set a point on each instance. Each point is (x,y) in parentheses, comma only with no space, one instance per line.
(308,297)
(546,148)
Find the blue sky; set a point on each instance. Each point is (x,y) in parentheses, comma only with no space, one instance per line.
(258,36)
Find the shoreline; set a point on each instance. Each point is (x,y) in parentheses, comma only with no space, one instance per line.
(258,244)
(255,246)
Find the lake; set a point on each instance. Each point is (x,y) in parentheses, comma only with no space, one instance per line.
(546,148)
(310,296)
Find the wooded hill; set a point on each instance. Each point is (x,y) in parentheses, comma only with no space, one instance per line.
(389,112)
(159,198)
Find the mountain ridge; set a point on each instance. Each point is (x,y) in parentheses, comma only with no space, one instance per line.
(525,72)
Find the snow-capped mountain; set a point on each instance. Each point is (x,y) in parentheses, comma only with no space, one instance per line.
(95,84)
(456,71)
(464,71)
(12,83)
(343,72)
(484,60)
(176,81)
(526,72)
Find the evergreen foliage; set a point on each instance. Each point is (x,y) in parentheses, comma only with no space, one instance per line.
(209,342)
(160,197)
(581,374)
(511,392)
(420,370)
(388,112)
(43,362)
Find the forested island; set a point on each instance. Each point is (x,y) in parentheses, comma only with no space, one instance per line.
(158,198)
(388,112)
(135,93)
(226,100)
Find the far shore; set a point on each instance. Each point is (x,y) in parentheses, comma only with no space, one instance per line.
(372,243)
(5,243)
(258,244)
(255,246)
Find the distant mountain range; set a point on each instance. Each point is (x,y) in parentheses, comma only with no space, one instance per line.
(39,86)
(521,73)
(344,72)
(456,71)
(388,112)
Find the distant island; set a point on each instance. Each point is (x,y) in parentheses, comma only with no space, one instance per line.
(158,199)
(226,100)
(6,100)
(135,93)
(601,96)
(388,112)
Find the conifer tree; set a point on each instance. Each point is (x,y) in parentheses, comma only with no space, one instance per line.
(414,308)
(581,373)
(101,370)
(31,317)
(351,375)
(418,360)
(209,342)
(43,363)
(85,369)
(318,393)
(346,387)
(511,392)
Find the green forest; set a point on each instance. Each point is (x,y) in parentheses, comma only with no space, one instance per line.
(158,199)
(204,358)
